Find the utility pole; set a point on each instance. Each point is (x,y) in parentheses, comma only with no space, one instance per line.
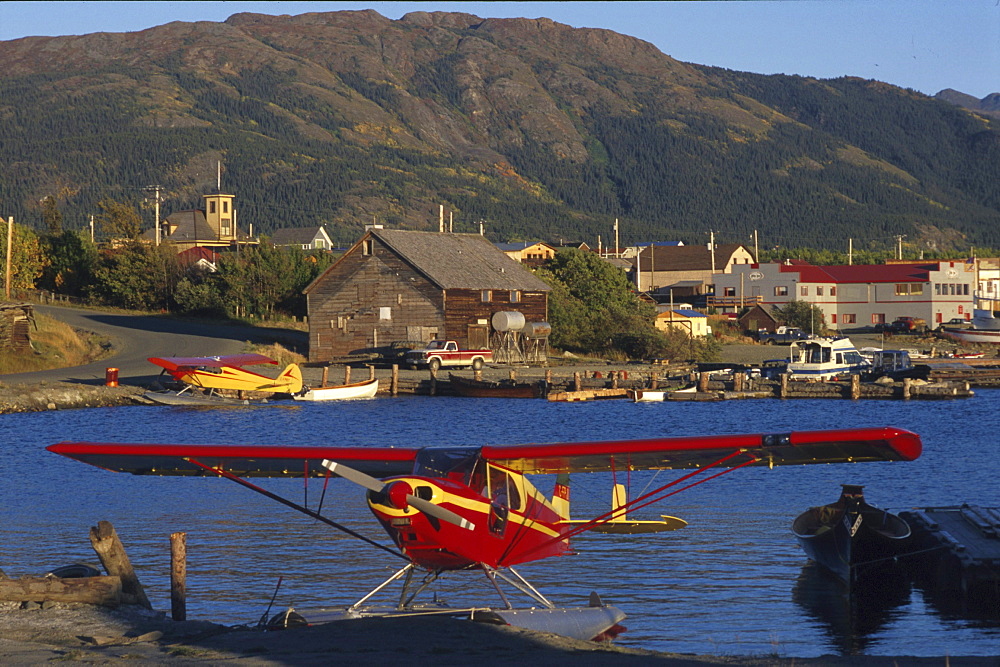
(156,206)
(899,247)
(652,265)
(10,248)
(756,247)
(441,218)
(617,251)
(850,252)
(91,228)
(711,247)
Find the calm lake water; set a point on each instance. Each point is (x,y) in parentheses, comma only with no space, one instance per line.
(734,582)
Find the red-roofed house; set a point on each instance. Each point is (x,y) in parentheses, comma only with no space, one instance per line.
(854,296)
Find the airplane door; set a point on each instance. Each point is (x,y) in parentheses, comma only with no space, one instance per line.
(503,498)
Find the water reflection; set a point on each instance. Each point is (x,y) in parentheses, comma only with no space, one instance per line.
(851,619)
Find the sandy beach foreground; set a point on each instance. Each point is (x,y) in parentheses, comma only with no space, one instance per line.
(92,635)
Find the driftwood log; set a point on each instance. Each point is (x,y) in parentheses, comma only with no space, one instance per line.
(116,563)
(103,591)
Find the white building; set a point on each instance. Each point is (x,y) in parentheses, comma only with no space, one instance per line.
(854,296)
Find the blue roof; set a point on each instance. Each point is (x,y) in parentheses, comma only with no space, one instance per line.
(687,313)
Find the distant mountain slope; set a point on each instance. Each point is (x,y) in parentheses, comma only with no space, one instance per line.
(539,129)
(989,105)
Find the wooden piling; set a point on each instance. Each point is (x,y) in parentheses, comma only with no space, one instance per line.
(654,380)
(855,387)
(548,376)
(614,379)
(512,374)
(116,563)
(738,379)
(906,389)
(703,382)
(326,374)
(434,381)
(577,385)
(394,382)
(178,576)
(784,385)
(347,374)
(478,373)
(371,372)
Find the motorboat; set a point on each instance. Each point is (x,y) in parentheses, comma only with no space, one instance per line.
(339,392)
(824,359)
(851,538)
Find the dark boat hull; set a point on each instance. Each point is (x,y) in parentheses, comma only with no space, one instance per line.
(850,538)
(501,389)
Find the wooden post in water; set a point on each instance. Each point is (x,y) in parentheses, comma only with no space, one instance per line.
(784,385)
(347,374)
(178,576)
(512,374)
(738,381)
(703,382)
(548,376)
(577,386)
(116,563)
(855,387)
(654,380)
(478,374)
(434,381)
(906,389)
(326,374)
(394,383)
(371,372)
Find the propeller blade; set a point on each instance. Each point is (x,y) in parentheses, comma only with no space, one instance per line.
(439,512)
(352,475)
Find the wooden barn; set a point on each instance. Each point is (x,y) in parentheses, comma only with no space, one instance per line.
(396,285)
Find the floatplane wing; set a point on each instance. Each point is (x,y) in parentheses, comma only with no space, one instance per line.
(228,372)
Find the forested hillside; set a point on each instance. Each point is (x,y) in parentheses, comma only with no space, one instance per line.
(539,129)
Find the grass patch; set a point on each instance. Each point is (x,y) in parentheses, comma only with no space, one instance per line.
(56,345)
(278,352)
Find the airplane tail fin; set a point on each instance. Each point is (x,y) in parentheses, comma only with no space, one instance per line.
(560,496)
(290,380)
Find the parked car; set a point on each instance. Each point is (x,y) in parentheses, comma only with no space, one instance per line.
(955,323)
(781,336)
(905,324)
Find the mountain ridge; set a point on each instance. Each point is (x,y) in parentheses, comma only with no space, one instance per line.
(541,129)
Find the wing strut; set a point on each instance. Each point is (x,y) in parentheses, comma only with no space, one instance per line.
(295,506)
(607,516)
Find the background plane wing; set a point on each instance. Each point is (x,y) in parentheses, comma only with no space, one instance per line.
(248,359)
(835,446)
(242,460)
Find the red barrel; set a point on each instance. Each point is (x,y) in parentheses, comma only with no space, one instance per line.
(111,377)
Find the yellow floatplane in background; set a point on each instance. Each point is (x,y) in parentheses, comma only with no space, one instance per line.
(223,380)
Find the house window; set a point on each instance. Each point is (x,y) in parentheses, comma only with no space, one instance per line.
(833,318)
(849,318)
(905,289)
(781,290)
(803,291)
(833,291)
(878,318)
(819,290)
(486,296)
(385,313)
(211,206)
(367,247)
(937,289)
(965,289)
(319,243)
(225,207)
(515,296)
(729,291)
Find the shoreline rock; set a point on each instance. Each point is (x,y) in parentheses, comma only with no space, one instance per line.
(63,396)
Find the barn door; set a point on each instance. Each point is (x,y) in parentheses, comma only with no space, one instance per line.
(479,338)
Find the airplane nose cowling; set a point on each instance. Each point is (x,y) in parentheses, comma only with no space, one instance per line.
(397,492)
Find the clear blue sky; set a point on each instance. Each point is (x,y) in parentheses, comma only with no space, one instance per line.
(927,45)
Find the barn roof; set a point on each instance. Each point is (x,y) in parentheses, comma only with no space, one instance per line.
(864,273)
(460,261)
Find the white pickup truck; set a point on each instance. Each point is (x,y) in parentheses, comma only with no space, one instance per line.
(440,353)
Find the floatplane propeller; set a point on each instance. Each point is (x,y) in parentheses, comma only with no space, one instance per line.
(399,493)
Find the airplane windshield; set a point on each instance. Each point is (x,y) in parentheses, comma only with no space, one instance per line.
(457,463)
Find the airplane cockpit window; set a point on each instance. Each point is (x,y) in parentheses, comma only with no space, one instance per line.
(456,463)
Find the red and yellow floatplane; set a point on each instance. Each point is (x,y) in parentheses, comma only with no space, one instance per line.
(474,509)
(223,380)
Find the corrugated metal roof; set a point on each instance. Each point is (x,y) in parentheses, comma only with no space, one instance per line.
(686,258)
(460,261)
(684,312)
